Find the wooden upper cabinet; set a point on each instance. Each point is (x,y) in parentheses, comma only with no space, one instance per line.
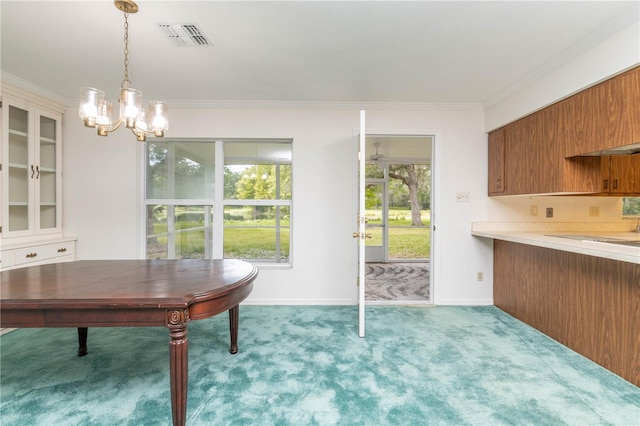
(532,158)
(496,162)
(581,118)
(515,159)
(624,113)
(620,174)
(604,116)
(543,153)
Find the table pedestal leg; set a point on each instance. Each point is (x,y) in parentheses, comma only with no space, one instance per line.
(234,314)
(178,360)
(82,341)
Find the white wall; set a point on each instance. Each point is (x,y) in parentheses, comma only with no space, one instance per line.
(103,194)
(619,52)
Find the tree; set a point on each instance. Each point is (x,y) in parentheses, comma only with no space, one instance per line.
(231,179)
(259,182)
(411,175)
(631,206)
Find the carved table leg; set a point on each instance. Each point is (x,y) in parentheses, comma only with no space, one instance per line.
(82,341)
(234,314)
(178,361)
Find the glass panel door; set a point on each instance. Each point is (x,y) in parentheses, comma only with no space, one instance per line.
(20,170)
(409,213)
(375,206)
(46,173)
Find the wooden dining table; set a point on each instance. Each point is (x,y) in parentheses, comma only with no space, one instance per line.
(129,293)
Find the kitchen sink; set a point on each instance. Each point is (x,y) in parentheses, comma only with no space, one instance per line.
(596,239)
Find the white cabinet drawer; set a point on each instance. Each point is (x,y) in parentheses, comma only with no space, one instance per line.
(7,259)
(44,253)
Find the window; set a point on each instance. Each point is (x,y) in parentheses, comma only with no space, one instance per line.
(257,204)
(222,199)
(631,206)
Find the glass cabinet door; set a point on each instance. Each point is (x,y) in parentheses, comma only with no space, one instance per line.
(46,168)
(21,169)
(30,170)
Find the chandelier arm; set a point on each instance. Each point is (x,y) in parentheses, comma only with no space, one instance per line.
(103,129)
(141,135)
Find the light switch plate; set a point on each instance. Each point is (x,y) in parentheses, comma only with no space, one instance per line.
(463,197)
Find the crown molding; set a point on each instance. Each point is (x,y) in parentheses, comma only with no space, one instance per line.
(326,105)
(256,104)
(17,86)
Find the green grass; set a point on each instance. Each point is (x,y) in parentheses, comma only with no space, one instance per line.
(405,241)
(258,240)
(244,243)
(254,243)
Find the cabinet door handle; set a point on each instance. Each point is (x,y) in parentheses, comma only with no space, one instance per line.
(615,184)
(606,184)
(33,171)
(31,255)
(62,250)
(38,171)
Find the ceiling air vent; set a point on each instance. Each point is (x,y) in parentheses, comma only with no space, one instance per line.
(185,35)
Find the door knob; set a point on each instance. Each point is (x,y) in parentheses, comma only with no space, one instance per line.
(357,235)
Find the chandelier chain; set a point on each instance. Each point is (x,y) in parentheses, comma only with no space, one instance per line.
(126,51)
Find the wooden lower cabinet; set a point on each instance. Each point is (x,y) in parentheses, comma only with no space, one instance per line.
(589,304)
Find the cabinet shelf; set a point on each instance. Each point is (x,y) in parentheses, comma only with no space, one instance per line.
(18,166)
(18,204)
(18,133)
(47,140)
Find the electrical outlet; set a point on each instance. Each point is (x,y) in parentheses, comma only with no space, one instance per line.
(594,211)
(549,211)
(479,276)
(533,211)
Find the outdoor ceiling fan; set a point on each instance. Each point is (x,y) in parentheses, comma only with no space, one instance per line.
(377,156)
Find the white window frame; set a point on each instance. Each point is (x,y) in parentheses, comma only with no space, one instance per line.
(214,249)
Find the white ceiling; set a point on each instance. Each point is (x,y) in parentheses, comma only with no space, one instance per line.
(340,51)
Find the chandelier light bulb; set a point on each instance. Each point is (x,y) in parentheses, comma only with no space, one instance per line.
(159,122)
(130,106)
(105,113)
(90,99)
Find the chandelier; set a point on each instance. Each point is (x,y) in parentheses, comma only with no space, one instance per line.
(96,112)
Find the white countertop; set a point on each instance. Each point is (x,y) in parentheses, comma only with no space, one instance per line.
(550,240)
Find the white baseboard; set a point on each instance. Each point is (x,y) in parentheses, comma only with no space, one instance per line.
(266,302)
(465,302)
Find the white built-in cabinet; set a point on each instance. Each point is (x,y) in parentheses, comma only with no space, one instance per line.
(31,181)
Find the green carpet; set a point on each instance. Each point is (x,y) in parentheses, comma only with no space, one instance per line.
(305,365)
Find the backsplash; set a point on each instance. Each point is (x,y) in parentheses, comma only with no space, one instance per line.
(566,209)
(600,227)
